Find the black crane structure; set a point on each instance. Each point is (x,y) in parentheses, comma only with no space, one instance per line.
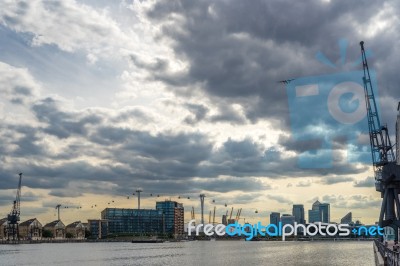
(13,218)
(387,172)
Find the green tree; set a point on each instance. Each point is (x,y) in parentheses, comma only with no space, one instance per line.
(88,234)
(47,234)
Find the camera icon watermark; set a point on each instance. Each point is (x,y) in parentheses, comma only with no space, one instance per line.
(326,110)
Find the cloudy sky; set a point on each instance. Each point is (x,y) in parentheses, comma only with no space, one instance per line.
(178,98)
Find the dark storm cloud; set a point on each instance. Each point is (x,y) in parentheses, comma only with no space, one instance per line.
(198,111)
(335,180)
(164,161)
(22,91)
(133,113)
(367,182)
(27,145)
(239,49)
(62,124)
(7,197)
(158,65)
(65,193)
(298,146)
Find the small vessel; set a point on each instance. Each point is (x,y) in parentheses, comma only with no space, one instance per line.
(147,241)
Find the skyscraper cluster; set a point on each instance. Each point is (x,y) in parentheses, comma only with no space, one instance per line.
(320,212)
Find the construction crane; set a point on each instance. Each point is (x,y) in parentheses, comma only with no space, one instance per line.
(192,214)
(202,196)
(213,222)
(238,214)
(387,172)
(13,218)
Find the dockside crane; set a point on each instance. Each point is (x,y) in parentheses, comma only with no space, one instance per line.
(238,214)
(387,172)
(213,221)
(14,217)
(192,215)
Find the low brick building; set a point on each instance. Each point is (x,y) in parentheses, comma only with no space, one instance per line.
(57,228)
(76,230)
(31,229)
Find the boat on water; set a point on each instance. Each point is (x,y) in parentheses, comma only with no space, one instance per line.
(144,241)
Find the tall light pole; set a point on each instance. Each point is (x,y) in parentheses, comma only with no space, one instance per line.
(202,207)
(138,196)
(58,209)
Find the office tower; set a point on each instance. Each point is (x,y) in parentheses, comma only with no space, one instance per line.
(287,219)
(274,218)
(298,213)
(325,213)
(348,218)
(173,216)
(314,216)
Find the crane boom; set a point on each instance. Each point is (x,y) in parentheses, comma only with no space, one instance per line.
(381,147)
(387,172)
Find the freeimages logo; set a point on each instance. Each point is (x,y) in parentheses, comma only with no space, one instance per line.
(329,108)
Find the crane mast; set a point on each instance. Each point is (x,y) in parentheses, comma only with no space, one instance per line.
(13,218)
(381,147)
(387,172)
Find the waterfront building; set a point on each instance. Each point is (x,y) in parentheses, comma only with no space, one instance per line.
(133,221)
(315,206)
(31,229)
(57,229)
(324,209)
(173,217)
(98,228)
(75,230)
(314,216)
(274,218)
(287,219)
(347,219)
(298,213)
(3,228)
(320,212)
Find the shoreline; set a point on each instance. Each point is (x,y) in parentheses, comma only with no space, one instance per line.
(133,240)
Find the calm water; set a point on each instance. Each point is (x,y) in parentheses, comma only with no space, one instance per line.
(190,253)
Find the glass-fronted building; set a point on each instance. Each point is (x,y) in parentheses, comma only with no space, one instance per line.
(287,219)
(320,213)
(98,228)
(274,218)
(314,216)
(133,221)
(324,209)
(347,219)
(298,213)
(173,216)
